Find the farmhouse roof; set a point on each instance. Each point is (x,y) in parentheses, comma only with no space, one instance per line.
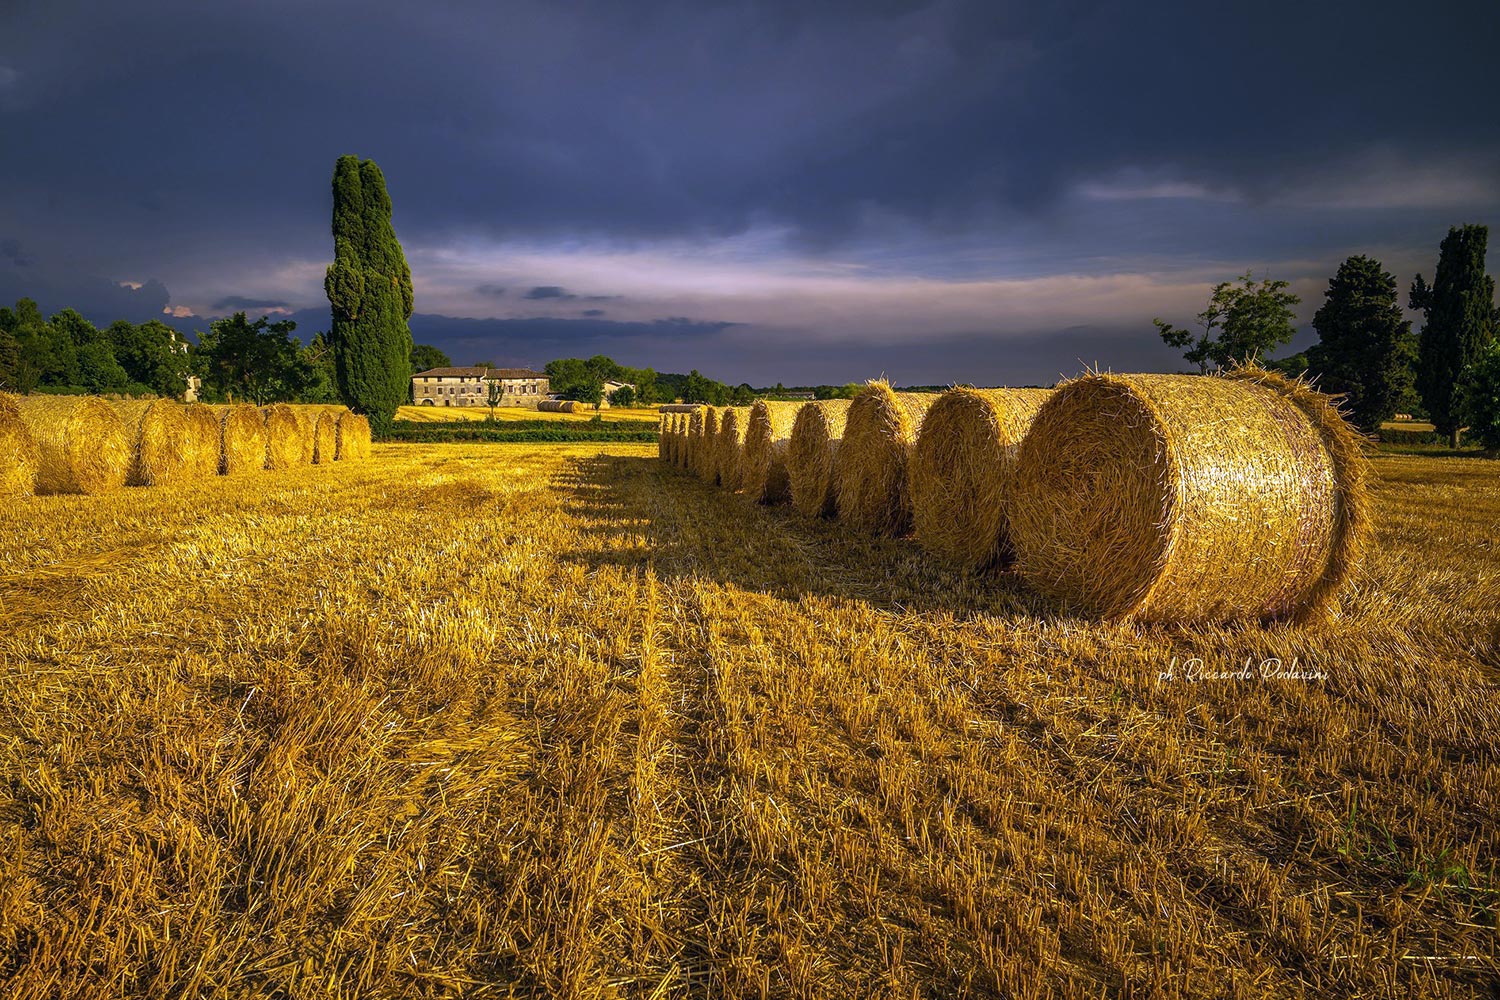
(480,370)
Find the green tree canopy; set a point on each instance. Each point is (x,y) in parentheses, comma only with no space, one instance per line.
(1459,313)
(256,362)
(1243,322)
(370,291)
(1478,396)
(1365,348)
(425,357)
(151,354)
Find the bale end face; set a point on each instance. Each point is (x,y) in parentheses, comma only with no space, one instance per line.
(879,432)
(82,444)
(763,461)
(812,455)
(242,437)
(283,437)
(18,454)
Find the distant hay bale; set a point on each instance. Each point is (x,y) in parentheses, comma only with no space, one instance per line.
(680,446)
(693,440)
(560,406)
(679,407)
(708,447)
(961,470)
(325,436)
(763,461)
(283,437)
(82,445)
(158,433)
(812,453)
(879,431)
(729,450)
(352,437)
(242,439)
(18,454)
(201,437)
(1190,498)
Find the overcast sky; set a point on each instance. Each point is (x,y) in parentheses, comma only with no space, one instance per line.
(986,192)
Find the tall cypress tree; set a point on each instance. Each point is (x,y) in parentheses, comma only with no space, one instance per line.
(369,288)
(1459,307)
(1365,349)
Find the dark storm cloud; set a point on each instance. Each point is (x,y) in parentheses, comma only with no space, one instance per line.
(239,303)
(10,250)
(492,291)
(548,292)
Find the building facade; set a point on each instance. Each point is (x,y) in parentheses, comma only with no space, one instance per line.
(471,386)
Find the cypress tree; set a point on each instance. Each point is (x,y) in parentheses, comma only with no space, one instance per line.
(369,288)
(1459,307)
(1365,349)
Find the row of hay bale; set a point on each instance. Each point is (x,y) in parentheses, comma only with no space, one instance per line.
(1149,497)
(561,406)
(87,444)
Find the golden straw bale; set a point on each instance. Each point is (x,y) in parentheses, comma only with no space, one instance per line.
(325,437)
(733,421)
(680,445)
(242,439)
(283,436)
(352,431)
(661,436)
(961,470)
(879,431)
(812,453)
(679,407)
(18,455)
(693,437)
(1190,498)
(158,433)
(763,461)
(82,445)
(708,446)
(307,429)
(202,443)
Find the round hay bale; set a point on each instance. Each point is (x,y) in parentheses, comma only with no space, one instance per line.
(763,461)
(18,454)
(157,429)
(201,439)
(242,439)
(733,422)
(307,429)
(283,437)
(82,445)
(679,407)
(1190,498)
(679,443)
(708,447)
(352,433)
(961,470)
(879,431)
(325,437)
(811,455)
(661,436)
(693,438)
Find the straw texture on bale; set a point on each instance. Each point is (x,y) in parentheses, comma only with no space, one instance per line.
(733,420)
(812,455)
(307,428)
(18,455)
(708,450)
(201,434)
(559,406)
(961,470)
(283,437)
(879,432)
(325,437)
(661,437)
(157,431)
(82,445)
(693,440)
(352,437)
(1190,498)
(242,439)
(763,461)
(679,440)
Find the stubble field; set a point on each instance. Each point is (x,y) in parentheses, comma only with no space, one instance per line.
(491,720)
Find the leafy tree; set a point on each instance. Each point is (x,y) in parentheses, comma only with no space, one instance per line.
(743,395)
(495,392)
(589,390)
(425,357)
(369,288)
(151,355)
(1365,348)
(1478,396)
(10,355)
(623,396)
(258,362)
(1459,321)
(1243,322)
(33,340)
(317,359)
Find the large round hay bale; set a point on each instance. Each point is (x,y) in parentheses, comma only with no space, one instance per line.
(679,444)
(18,455)
(283,437)
(307,429)
(242,439)
(325,437)
(961,470)
(879,431)
(82,445)
(694,440)
(733,422)
(158,433)
(202,440)
(1189,498)
(763,461)
(352,431)
(811,455)
(708,447)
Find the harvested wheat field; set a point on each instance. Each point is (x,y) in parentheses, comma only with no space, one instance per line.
(499,720)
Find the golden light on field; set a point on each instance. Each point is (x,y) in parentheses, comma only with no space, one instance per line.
(557,720)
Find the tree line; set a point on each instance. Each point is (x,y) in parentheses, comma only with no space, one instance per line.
(1366,350)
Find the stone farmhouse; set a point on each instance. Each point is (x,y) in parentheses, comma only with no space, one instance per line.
(471,386)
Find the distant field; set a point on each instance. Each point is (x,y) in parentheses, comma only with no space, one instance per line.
(508,720)
(446,414)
